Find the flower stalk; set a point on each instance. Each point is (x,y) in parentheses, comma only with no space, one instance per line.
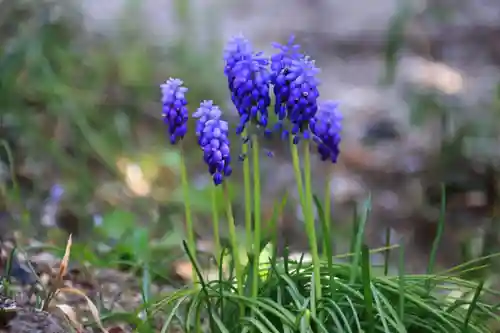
(310,221)
(327,203)
(257,216)
(216,224)
(234,243)
(326,127)
(248,195)
(175,116)
(187,212)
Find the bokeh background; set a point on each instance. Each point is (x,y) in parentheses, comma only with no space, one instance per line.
(84,149)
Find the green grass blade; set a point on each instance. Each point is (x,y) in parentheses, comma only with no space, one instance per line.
(200,279)
(358,240)
(337,315)
(367,290)
(472,306)
(387,253)
(401,280)
(257,324)
(171,316)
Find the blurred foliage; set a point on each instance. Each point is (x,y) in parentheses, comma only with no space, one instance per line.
(462,134)
(81,109)
(468,157)
(74,105)
(395,40)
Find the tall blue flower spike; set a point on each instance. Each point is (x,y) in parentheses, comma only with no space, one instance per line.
(295,88)
(213,139)
(175,113)
(248,81)
(326,127)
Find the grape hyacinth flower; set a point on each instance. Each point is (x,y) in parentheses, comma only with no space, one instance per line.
(213,139)
(248,81)
(175,113)
(295,87)
(326,128)
(279,64)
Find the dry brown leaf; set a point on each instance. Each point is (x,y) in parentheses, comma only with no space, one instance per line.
(93,309)
(65,260)
(70,313)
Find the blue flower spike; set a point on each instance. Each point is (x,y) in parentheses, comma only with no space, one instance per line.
(175,113)
(213,139)
(326,128)
(295,87)
(248,81)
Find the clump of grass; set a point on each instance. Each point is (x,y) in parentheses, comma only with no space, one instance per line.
(354,299)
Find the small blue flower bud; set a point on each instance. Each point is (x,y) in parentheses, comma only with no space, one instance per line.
(213,139)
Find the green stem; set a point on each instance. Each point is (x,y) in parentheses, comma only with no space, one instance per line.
(234,241)
(187,209)
(215,223)
(248,195)
(327,211)
(327,228)
(298,174)
(309,219)
(257,215)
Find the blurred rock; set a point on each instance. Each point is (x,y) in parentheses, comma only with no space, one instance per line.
(425,74)
(28,320)
(19,269)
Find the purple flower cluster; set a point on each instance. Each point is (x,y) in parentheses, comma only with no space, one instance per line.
(326,127)
(248,81)
(280,63)
(250,76)
(212,134)
(175,113)
(295,88)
